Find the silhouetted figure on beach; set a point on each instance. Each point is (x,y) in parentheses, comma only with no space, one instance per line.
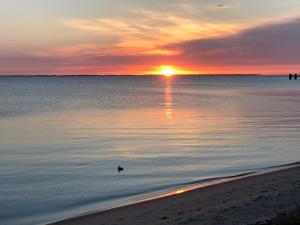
(296,76)
(290,76)
(120,169)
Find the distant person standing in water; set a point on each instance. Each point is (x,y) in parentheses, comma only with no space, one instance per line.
(296,76)
(290,76)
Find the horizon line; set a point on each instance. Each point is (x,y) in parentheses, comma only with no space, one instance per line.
(149,75)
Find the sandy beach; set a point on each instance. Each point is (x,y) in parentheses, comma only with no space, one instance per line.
(240,201)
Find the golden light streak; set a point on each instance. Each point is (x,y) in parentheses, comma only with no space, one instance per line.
(180,191)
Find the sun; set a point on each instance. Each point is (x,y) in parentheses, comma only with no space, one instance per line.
(168,71)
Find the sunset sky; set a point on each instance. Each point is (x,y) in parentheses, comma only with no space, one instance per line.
(145,37)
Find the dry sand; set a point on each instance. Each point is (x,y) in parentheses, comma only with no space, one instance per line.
(238,202)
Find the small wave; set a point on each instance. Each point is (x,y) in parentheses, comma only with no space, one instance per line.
(168,190)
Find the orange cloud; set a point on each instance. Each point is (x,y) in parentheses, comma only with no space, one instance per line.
(148,31)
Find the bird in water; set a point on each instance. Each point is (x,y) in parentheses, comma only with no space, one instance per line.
(120,169)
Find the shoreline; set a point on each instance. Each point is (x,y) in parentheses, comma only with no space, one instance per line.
(177,203)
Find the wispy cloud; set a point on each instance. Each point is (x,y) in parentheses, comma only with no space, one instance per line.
(149,31)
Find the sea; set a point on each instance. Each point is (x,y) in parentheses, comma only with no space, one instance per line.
(63,137)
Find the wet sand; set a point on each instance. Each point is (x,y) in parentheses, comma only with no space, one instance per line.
(237,202)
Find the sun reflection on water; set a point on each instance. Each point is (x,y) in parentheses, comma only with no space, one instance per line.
(168,104)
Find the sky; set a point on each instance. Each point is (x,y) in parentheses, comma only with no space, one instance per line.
(69,37)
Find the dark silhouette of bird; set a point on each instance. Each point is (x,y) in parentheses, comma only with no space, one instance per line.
(120,169)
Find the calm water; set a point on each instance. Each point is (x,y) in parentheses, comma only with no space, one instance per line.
(61,138)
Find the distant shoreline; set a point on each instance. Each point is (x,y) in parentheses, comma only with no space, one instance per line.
(210,203)
(141,75)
